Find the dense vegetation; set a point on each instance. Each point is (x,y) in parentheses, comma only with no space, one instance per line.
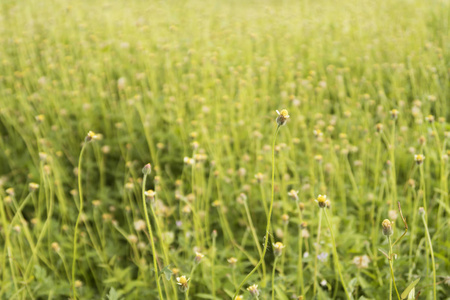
(192,87)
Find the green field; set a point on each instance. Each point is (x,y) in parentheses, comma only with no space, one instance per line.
(233,205)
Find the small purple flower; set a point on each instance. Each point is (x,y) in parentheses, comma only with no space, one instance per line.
(179,223)
(322,256)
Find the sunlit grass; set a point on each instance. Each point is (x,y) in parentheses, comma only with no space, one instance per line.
(193,87)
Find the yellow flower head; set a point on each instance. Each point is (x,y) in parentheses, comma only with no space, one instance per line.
(321,200)
(278,248)
(183,282)
(232,261)
(91,136)
(419,158)
(282,117)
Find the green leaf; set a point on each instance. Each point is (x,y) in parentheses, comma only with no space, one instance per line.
(407,291)
(113,295)
(166,271)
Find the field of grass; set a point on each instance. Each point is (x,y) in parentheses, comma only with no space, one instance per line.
(232,200)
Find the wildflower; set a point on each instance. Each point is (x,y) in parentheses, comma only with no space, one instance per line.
(147,169)
(198,257)
(321,200)
(285,218)
(322,256)
(55,247)
(91,136)
(379,127)
(421,211)
(318,133)
(150,194)
(387,227)
(253,289)
(318,158)
(259,177)
(96,203)
(282,117)
(33,186)
(293,194)
(419,158)
(239,297)
(278,248)
(189,161)
(139,225)
(43,156)
(10,191)
(129,186)
(78,283)
(133,239)
(394,114)
(182,281)
(305,233)
(430,119)
(393,215)
(232,261)
(40,118)
(362,262)
(323,283)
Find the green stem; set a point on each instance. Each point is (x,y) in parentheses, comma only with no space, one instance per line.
(432,256)
(336,259)
(300,253)
(273,277)
(317,253)
(392,269)
(266,239)
(152,242)
(190,278)
(80,211)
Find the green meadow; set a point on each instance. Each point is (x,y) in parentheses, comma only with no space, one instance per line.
(224,149)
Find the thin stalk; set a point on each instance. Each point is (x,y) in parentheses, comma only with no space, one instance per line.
(266,239)
(432,256)
(80,211)
(273,277)
(255,237)
(300,252)
(317,253)
(190,278)
(392,270)
(152,242)
(336,259)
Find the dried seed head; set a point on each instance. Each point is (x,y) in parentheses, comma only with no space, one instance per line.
(387,227)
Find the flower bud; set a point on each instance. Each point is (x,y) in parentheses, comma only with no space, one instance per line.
(387,227)
(147,169)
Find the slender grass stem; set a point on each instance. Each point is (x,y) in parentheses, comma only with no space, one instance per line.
(273,277)
(432,256)
(336,258)
(152,242)
(391,265)
(266,239)
(80,211)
